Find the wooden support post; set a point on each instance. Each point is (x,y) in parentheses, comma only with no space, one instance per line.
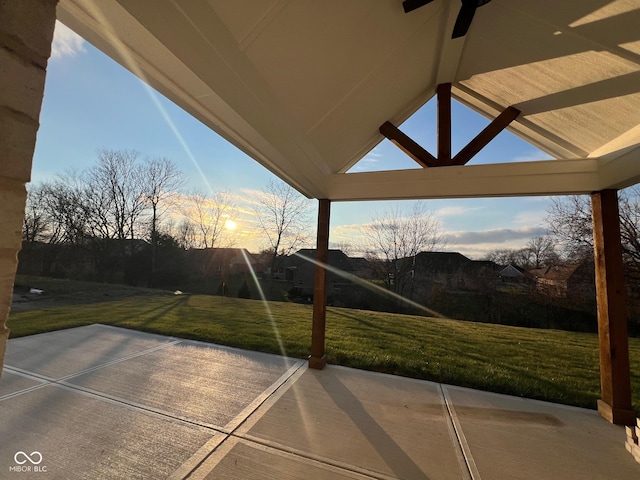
(444,124)
(317,359)
(615,378)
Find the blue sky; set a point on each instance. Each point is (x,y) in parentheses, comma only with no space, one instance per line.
(93,103)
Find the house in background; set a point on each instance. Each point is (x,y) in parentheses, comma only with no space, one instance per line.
(479,275)
(453,271)
(300,270)
(221,262)
(438,270)
(517,276)
(362,268)
(576,281)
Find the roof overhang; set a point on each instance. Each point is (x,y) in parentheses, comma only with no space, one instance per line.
(303,86)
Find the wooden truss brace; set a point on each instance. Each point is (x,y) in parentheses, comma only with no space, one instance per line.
(408,146)
(444,159)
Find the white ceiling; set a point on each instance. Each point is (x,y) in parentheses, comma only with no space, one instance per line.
(303,86)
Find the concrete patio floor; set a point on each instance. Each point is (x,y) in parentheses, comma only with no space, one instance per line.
(101,402)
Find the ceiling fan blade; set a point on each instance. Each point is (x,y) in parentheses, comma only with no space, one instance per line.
(463,22)
(411,5)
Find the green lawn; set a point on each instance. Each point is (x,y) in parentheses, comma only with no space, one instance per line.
(553,365)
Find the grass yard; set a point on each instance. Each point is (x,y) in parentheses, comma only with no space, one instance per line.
(551,365)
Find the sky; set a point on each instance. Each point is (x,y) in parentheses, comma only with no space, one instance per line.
(93,103)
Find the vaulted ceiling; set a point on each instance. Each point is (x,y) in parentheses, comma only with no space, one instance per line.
(303,86)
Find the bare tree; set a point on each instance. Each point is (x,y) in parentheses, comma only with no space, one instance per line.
(112,198)
(283,218)
(542,252)
(57,215)
(515,256)
(116,191)
(394,238)
(539,252)
(209,216)
(36,218)
(161,180)
(103,206)
(66,210)
(186,234)
(47,212)
(630,226)
(570,223)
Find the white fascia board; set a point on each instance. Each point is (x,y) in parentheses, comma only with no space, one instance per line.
(147,58)
(621,172)
(550,177)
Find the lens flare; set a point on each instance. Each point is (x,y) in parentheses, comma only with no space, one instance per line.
(274,325)
(372,287)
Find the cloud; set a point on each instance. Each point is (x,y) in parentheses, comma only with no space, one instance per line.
(473,244)
(496,236)
(477,244)
(454,211)
(347,233)
(66,43)
(375,154)
(537,217)
(531,156)
(367,163)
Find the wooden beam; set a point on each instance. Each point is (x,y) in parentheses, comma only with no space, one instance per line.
(317,359)
(444,123)
(615,377)
(485,136)
(408,146)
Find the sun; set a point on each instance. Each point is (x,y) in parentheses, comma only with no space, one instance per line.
(230,225)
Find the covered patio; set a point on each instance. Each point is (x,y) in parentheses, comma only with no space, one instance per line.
(307,88)
(105,402)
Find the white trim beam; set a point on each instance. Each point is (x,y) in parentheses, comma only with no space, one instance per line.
(548,177)
(621,172)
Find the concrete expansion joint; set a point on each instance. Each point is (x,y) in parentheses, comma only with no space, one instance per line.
(311,457)
(468,463)
(236,430)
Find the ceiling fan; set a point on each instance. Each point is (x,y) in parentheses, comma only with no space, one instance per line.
(463,22)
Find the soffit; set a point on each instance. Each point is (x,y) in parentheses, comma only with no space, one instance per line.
(303,86)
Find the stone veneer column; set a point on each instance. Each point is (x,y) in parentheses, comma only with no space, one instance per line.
(26,31)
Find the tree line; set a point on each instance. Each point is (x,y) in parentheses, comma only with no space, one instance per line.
(569,242)
(127,218)
(102,210)
(570,235)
